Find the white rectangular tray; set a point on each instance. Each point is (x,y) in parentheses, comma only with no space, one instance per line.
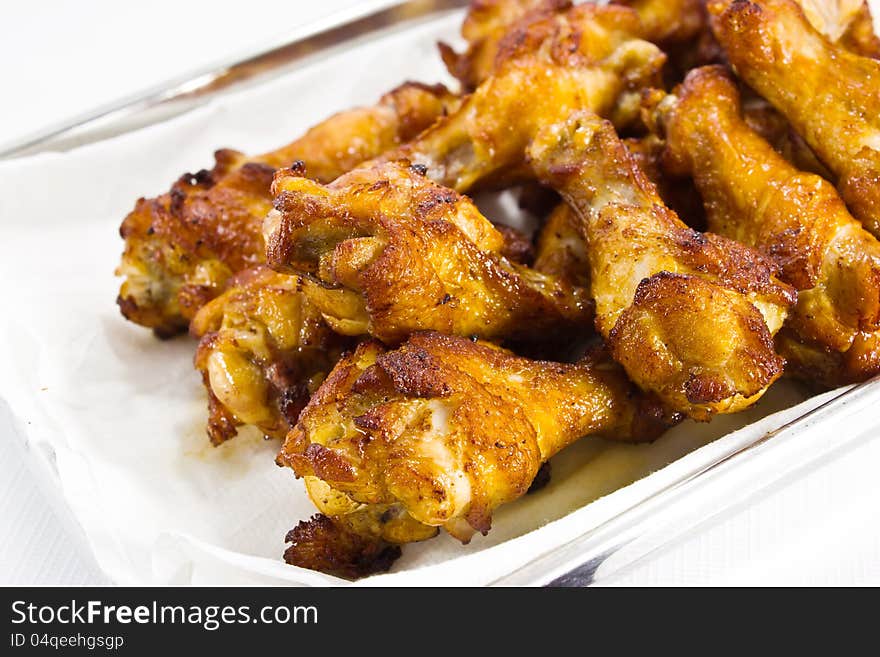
(123,415)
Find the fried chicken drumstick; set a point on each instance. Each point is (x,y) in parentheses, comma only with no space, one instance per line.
(441,432)
(389,252)
(485,27)
(669,22)
(263,350)
(182,247)
(756,197)
(385,252)
(829,95)
(560,249)
(585,58)
(689,315)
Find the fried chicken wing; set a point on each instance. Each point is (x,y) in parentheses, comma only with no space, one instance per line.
(263,350)
(679,194)
(824,368)
(669,22)
(774,128)
(588,57)
(830,96)
(689,315)
(681,28)
(388,252)
(484,28)
(846,22)
(442,431)
(756,197)
(561,250)
(182,247)
(582,57)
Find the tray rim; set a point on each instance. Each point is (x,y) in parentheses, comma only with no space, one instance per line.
(576,563)
(259,64)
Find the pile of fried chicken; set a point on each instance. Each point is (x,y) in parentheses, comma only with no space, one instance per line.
(708,177)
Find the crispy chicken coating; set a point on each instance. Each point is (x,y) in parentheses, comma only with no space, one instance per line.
(484,28)
(766,120)
(669,22)
(588,57)
(385,251)
(182,247)
(583,57)
(830,96)
(797,219)
(324,544)
(264,349)
(681,29)
(847,22)
(679,194)
(443,430)
(689,315)
(561,250)
(823,368)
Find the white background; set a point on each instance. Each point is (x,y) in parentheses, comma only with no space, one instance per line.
(60,59)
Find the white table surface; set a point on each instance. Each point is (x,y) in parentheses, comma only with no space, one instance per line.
(59,59)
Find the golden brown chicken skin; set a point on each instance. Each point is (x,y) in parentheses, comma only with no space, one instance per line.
(775,129)
(755,196)
(486,24)
(689,315)
(846,22)
(669,22)
(681,29)
(838,21)
(822,368)
(672,23)
(263,350)
(860,36)
(386,252)
(585,56)
(182,247)
(443,430)
(560,249)
(588,57)
(677,193)
(829,95)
